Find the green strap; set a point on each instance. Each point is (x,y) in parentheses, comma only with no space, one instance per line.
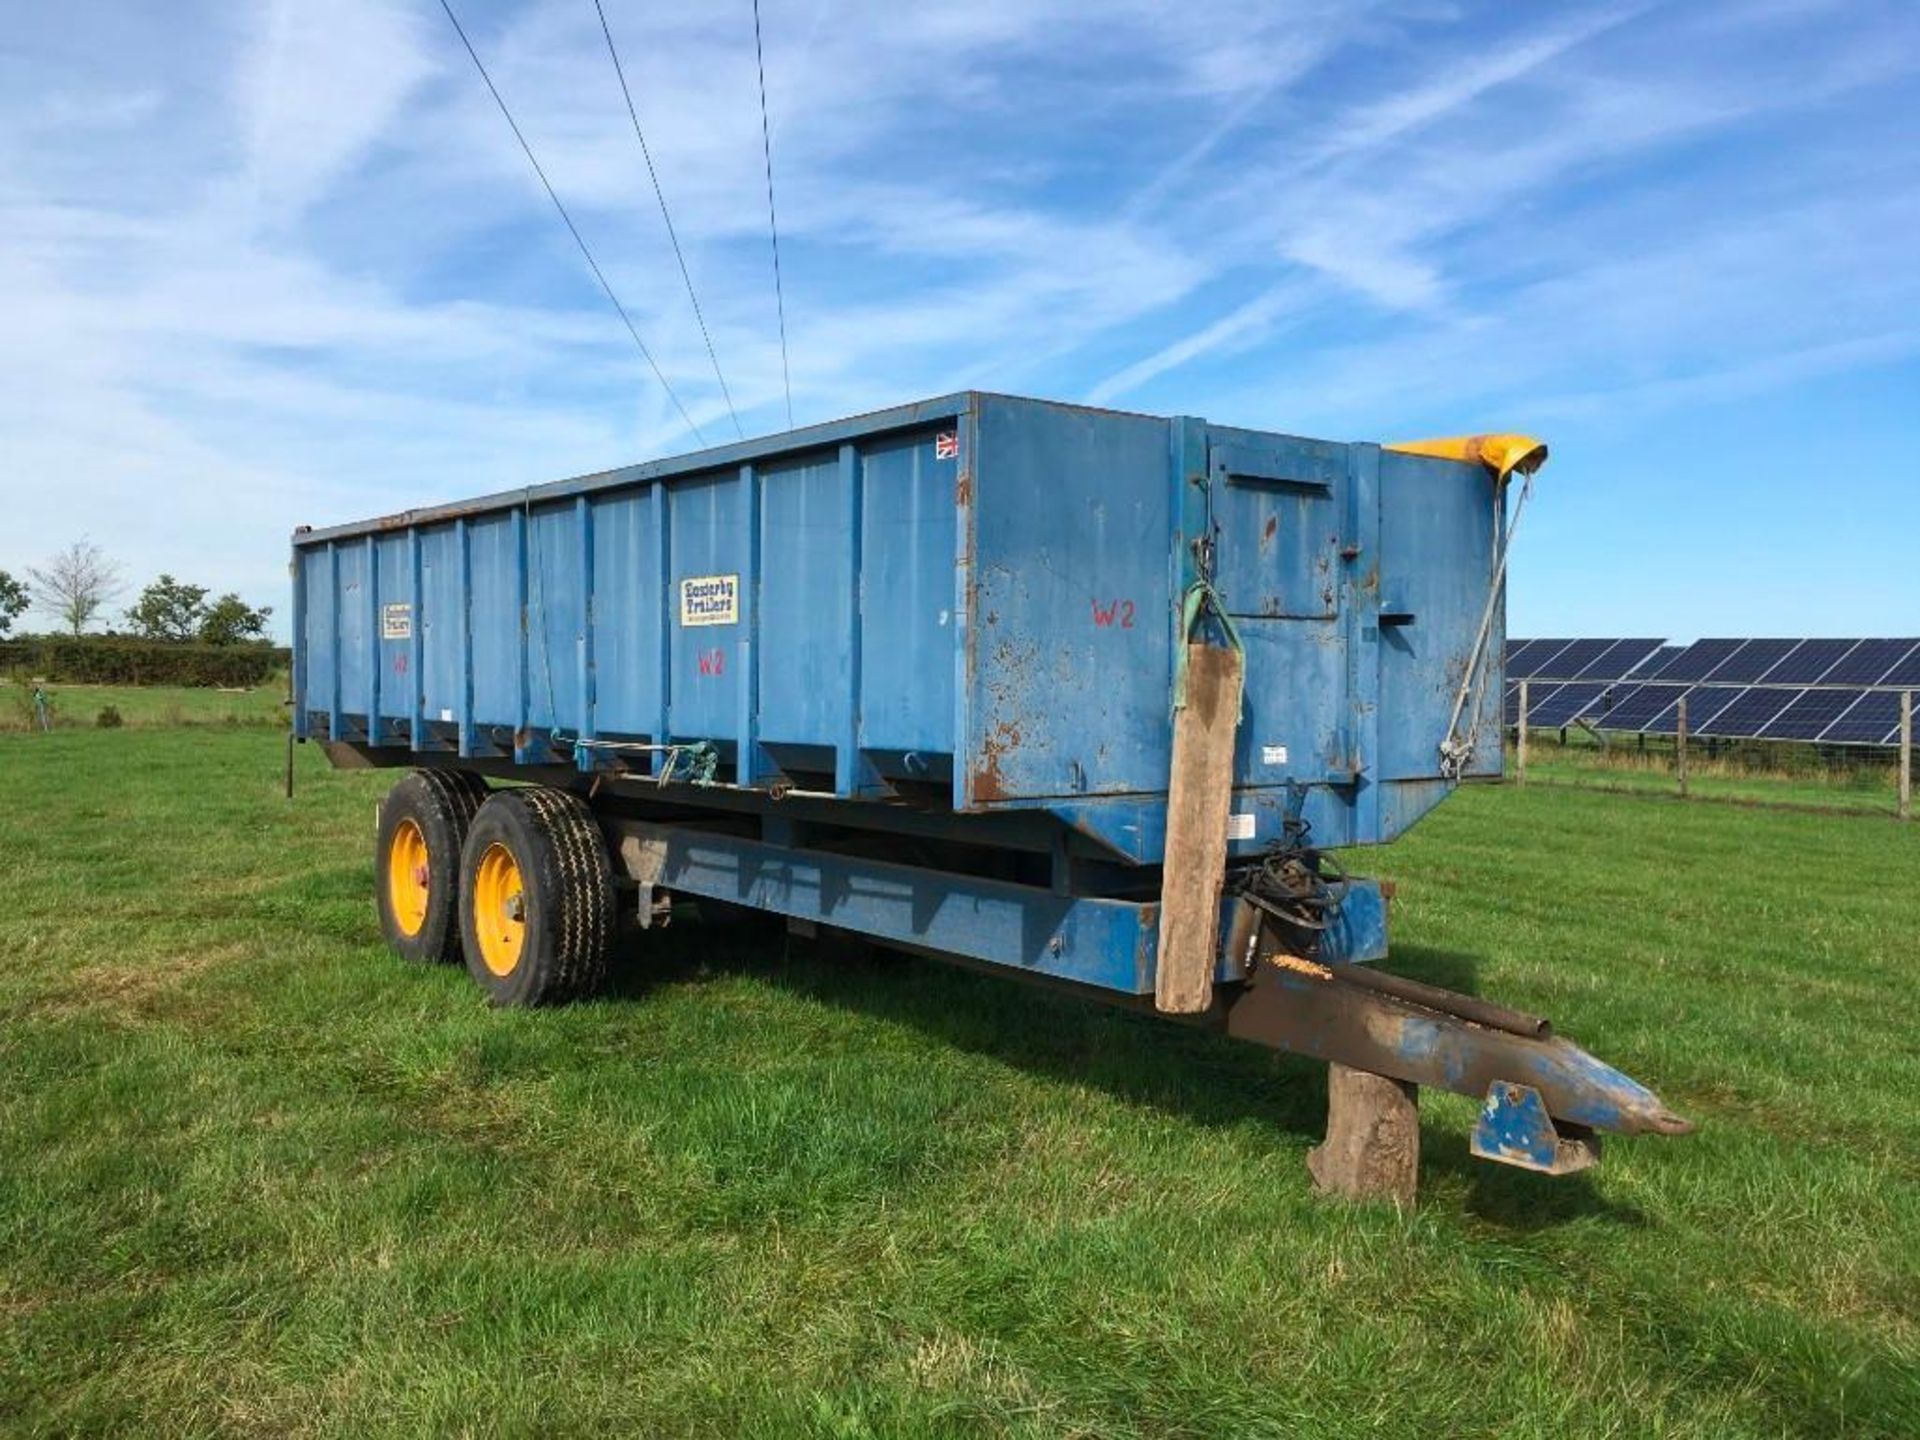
(1200,597)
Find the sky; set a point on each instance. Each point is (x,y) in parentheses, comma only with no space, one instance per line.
(282,263)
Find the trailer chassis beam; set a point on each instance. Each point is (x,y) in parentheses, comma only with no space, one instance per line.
(1524,1081)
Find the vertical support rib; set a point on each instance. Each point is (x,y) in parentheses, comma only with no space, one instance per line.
(335,730)
(1187,466)
(748,766)
(376,655)
(663,616)
(1361,627)
(301,649)
(523,748)
(463,542)
(850,776)
(583,640)
(417,645)
(966,627)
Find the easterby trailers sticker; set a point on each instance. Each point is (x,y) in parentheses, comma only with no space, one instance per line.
(710,600)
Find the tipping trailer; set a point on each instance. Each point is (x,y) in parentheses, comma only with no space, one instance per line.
(1066,693)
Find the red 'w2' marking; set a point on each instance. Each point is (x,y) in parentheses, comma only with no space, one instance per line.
(713,662)
(1114,612)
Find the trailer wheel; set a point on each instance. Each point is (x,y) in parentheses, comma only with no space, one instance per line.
(416,861)
(537,912)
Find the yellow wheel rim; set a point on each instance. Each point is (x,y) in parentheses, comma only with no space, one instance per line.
(499,910)
(407,877)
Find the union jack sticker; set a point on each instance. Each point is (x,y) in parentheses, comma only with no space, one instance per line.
(947,446)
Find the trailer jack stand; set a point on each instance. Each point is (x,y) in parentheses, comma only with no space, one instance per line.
(1372,1149)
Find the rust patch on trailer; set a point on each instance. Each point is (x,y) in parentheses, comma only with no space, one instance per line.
(963,489)
(1146,948)
(988,783)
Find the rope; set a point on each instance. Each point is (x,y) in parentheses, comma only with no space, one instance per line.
(1200,597)
(1456,750)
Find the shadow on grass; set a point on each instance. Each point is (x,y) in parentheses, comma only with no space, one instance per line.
(1138,1057)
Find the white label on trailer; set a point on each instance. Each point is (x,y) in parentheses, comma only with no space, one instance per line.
(396,621)
(1240,827)
(710,600)
(446,717)
(1273,754)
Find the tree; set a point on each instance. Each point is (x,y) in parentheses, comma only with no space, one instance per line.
(169,609)
(14,601)
(77,584)
(230,621)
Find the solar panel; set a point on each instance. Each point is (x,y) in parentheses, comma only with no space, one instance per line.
(1517,664)
(1618,660)
(1699,658)
(1537,691)
(1566,704)
(1811,714)
(1805,665)
(1511,704)
(1537,653)
(1575,658)
(1749,712)
(1868,661)
(1657,661)
(1634,709)
(1906,673)
(1873,719)
(1617,692)
(1751,661)
(1704,703)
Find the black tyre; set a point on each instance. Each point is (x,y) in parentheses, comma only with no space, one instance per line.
(416,861)
(537,911)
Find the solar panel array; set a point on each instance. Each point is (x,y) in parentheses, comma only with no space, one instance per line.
(1834,692)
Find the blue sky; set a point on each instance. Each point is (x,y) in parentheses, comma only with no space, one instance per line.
(276,263)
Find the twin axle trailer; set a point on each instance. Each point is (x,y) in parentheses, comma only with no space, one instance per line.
(1065,693)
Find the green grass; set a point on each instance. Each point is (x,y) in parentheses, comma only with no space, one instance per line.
(258,1177)
(145,705)
(1760,773)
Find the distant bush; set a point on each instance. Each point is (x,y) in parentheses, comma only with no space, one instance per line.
(109,718)
(122,660)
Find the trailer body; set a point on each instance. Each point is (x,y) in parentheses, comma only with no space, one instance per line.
(912,674)
(978,593)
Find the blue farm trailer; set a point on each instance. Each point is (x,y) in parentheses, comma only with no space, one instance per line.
(1067,693)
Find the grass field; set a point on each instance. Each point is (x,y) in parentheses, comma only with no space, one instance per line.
(257,1177)
(145,705)
(1755,773)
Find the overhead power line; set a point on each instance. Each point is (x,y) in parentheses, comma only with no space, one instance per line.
(773,225)
(660,195)
(572,229)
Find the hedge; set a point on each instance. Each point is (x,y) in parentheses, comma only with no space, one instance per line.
(120,660)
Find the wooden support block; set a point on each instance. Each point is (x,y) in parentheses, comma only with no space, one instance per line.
(1372,1149)
(1199,801)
